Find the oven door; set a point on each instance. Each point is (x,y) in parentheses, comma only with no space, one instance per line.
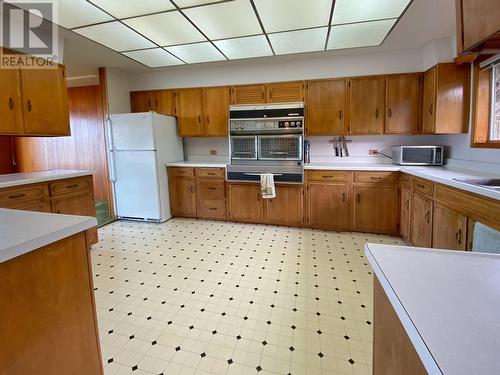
(280,147)
(244,147)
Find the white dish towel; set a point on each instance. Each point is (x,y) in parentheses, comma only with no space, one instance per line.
(486,239)
(267,186)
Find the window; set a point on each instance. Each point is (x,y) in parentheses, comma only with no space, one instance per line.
(495,103)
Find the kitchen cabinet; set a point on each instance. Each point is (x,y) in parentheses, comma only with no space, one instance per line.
(445,99)
(450,229)
(288,206)
(366,105)
(216,102)
(405,213)
(245,202)
(248,94)
(477,23)
(281,92)
(375,208)
(210,193)
(421,221)
(328,205)
(402,103)
(325,102)
(189,106)
(159,101)
(140,101)
(10,102)
(182,195)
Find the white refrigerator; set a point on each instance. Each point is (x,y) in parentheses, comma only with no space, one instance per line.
(139,146)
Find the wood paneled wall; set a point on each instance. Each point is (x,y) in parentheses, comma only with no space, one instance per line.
(84,149)
(6,165)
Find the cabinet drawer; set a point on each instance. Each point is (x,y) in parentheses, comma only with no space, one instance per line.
(22,194)
(327,176)
(406,181)
(39,205)
(70,186)
(181,171)
(375,176)
(423,186)
(210,172)
(211,189)
(212,209)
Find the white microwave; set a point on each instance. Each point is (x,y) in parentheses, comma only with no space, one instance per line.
(418,155)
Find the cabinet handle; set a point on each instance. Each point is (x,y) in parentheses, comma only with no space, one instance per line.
(11,103)
(458,236)
(390,112)
(326,176)
(340,115)
(430,109)
(199,118)
(208,119)
(192,189)
(212,188)
(421,186)
(375,178)
(376,113)
(212,209)
(156,103)
(358,196)
(16,196)
(343,197)
(71,186)
(29,106)
(427,217)
(407,204)
(149,104)
(258,196)
(211,174)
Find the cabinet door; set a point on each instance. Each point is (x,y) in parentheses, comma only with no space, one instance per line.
(216,102)
(479,20)
(183,196)
(163,102)
(375,208)
(10,102)
(328,205)
(405,214)
(402,113)
(325,107)
(429,101)
(288,206)
(450,229)
(81,204)
(421,221)
(140,101)
(248,94)
(189,107)
(245,202)
(285,92)
(366,105)
(45,101)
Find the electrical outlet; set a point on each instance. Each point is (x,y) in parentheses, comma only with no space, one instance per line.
(213,152)
(372,152)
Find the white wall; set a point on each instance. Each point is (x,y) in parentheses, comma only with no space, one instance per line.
(118,91)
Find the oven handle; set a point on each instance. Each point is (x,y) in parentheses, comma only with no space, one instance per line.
(258,174)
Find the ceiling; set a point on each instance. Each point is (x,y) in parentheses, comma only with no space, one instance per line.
(163,33)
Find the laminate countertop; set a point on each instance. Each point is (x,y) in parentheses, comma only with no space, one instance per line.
(448,302)
(25,231)
(16,179)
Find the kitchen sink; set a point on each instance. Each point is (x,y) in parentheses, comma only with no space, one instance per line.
(489,183)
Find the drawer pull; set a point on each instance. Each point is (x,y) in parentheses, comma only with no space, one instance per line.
(212,188)
(327,176)
(375,178)
(211,173)
(72,186)
(427,217)
(212,209)
(17,196)
(340,115)
(421,186)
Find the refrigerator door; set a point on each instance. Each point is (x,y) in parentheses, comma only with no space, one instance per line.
(136,186)
(133,131)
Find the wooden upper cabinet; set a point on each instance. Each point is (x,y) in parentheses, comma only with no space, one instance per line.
(248,94)
(325,100)
(402,103)
(189,105)
(450,229)
(163,102)
(11,114)
(140,101)
(446,94)
(45,101)
(366,105)
(477,22)
(281,92)
(216,102)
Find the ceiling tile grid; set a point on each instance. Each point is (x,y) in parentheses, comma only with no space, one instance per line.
(160,33)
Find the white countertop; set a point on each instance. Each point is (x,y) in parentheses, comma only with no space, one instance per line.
(15,179)
(197,164)
(449,303)
(353,167)
(25,231)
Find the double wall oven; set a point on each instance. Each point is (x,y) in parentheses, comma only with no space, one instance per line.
(266,139)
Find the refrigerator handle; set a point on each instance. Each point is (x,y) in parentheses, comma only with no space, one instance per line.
(111,154)
(109,134)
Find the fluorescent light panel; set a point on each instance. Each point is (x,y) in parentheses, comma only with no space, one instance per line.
(299,41)
(132,8)
(225,20)
(347,11)
(166,29)
(196,53)
(282,15)
(115,36)
(154,57)
(242,48)
(192,3)
(362,34)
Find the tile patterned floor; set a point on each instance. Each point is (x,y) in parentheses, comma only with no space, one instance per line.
(201,297)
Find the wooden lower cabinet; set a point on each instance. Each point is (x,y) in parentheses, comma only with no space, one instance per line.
(211,198)
(421,221)
(328,205)
(288,206)
(245,202)
(450,229)
(375,208)
(405,212)
(182,196)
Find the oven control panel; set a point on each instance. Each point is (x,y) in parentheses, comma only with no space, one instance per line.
(269,125)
